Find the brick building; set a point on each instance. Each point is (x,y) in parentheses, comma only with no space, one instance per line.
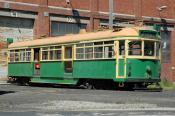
(29,19)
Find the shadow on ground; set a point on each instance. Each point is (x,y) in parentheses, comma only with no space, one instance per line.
(6,92)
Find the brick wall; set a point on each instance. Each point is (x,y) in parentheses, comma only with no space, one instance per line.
(78,4)
(152,5)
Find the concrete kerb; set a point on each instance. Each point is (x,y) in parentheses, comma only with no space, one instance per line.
(3,80)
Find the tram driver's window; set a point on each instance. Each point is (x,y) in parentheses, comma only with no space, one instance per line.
(135,48)
(121,47)
(148,48)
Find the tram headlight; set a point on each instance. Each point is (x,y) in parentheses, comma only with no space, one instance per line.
(37,66)
(148,71)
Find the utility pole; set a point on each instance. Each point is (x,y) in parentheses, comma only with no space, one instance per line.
(111,14)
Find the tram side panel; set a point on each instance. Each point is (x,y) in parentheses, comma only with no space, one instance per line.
(20,69)
(143,70)
(52,69)
(94,69)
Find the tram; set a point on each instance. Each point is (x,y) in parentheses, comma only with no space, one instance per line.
(125,57)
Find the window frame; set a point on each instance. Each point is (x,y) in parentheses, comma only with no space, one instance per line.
(84,46)
(48,50)
(142,56)
(18,52)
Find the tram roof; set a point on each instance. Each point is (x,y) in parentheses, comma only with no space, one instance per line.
(130,31)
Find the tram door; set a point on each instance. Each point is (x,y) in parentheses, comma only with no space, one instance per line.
(68,58)
(120,58)
(36,61)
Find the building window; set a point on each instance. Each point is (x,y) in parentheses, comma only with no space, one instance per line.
(165,36)
(61,28)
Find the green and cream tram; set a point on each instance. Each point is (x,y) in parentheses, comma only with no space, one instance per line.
(131,55)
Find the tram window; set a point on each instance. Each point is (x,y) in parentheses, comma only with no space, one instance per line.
(28,55)
(52,47)
(80,53)
(98,43)
(89,53)
(88,44)
(68,52)
(55,53)
(45,48)
(22,55)
(108,51)
(121,47)
(12,55)
(16,55)
(148,48)
(57,47)
(109,42)
(98,52)
(44,55)
(68,66)
(52,55)
(80,45)
(95,50)
(135,48)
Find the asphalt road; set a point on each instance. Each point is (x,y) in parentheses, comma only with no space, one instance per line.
(55,101)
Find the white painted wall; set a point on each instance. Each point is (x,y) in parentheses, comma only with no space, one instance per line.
(17,28)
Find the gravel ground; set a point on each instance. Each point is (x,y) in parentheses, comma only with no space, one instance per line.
(15,98)
(59,105)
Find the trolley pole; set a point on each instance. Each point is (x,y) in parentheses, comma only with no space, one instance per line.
(111,14)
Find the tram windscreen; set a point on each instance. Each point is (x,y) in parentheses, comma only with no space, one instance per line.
(135,48)
(149,48)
